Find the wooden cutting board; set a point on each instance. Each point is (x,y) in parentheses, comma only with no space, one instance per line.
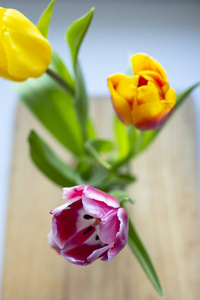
(165,213)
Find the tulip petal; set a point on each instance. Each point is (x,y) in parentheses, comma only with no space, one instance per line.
(127,88)
(151,116)
(64,226)
(74,192)
(101,252)
(81,236)
(155,78)
(121,236)
(147,93)
(151,111)
(79,255)
(108,227)
(97,209)
(170,97)
(28,52)
(120,104)
(98,195)
(143,62)
(3,59)
(88,226)
(59,208)
(51,242)
(72,203)
(98,203)
(3,64)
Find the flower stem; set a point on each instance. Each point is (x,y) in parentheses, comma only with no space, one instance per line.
(60,81)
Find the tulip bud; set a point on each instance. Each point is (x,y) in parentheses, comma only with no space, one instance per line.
(144,100)
(89,226)
(24,52)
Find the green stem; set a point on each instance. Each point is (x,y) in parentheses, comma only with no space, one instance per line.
(61,82)
(121,162)
(130,155)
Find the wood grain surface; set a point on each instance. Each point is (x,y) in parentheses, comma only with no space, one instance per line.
(165,213)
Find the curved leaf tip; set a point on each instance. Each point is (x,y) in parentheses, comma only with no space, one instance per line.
(76,33)
(44,21)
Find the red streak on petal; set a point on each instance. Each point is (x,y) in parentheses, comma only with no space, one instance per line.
(76,205)
(82,252)
(142,81)
(65,224)
(81,236)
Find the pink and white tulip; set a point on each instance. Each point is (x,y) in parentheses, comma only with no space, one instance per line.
(90,225)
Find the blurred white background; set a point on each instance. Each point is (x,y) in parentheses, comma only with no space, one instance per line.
(167,30)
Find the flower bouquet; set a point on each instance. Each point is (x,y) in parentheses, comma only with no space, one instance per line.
(95,220)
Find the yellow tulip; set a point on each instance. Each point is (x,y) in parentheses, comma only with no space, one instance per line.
(24,52)
(144,100)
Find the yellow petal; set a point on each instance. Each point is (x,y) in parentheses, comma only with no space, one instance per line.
(150,116)
(170,97)
(3,64)
(121,105)
(126,90)
(116,78)
(143,62)
(148,93)
(3,59)
(151,111)
(154,77)
(28,53)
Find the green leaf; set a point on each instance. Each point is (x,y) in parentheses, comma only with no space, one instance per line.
(75,36)
(76,33)
(84,167)
(60,68)
(147,137)
(181,97)
(122,139)
(43,24)
(98,175)
(101,145)
(91,134)
(81,100)
(49,163)
(134,139)
(54,108)
(143,257)
(96,146)
(121,196)
(128,140)
(117,180)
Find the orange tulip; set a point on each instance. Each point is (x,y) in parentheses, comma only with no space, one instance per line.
(144,100)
